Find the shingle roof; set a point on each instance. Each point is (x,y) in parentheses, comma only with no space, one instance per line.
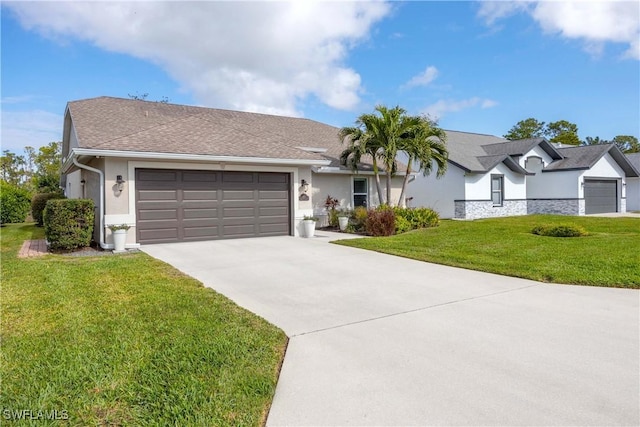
(634,159)
(108,123)
(584,157)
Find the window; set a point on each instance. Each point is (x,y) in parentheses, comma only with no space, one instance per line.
(360,192)
(497,189)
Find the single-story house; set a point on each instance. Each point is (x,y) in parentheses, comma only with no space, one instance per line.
(633,184)
(181,173)
(489,176)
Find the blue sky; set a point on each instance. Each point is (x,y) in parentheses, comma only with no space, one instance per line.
(477,67)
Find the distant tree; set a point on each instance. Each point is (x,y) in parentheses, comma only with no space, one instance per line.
(627,143)
(138,96)
(48,161)
(12,167)
(524,129)
(594,141)
(144,96)
(563,132)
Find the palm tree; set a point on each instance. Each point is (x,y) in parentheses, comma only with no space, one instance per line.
(361,143)
(425,145)
(385,133)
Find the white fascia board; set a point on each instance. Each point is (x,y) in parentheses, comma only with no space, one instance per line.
(313,149)
(338,171)
(194,157)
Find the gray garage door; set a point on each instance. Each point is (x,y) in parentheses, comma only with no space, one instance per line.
(600,196)
(185,205)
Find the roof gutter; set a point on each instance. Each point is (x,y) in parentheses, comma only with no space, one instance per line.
(196,157)
(74,160)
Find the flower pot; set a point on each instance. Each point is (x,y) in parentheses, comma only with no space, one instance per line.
(309,227)
(119,240)
(343,221)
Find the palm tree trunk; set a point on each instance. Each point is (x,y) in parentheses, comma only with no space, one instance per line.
(376,174)
(404,184)
(389,187)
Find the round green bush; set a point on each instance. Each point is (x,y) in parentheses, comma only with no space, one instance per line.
(14,203)
(559,231)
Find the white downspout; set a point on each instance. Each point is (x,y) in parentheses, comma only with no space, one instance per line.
(103,245)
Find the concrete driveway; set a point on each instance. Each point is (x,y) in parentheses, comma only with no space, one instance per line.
(381,340)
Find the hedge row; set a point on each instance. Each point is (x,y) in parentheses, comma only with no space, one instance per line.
(385,221)
(14,203)
(68,223)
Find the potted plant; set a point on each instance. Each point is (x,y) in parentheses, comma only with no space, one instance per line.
(119,236)
(343,220)
(309,223)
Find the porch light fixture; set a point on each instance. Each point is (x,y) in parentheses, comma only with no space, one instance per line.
(120,183)
(304,185)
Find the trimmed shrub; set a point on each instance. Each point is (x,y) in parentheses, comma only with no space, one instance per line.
(38,203)
(418,217)
(359,218)
(560,231)
(14,203)
(402,225)
(381,222)
(68,223)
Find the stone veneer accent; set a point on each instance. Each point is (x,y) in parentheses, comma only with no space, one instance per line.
(474,209)
(556,206)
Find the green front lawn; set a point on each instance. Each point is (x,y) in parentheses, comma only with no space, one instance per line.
(128,340)
(609,256)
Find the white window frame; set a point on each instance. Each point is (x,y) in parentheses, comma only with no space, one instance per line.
(499,192)
(365,194)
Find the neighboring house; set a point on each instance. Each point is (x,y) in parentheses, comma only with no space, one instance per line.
(633,184)
(181,173)
(489,176)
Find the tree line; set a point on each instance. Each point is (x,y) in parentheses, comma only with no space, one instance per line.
(565,132)
(37,171)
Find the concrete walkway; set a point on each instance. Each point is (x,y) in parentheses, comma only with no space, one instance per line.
(381,340)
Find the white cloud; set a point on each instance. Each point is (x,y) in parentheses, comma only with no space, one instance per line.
(424,78)
(443,106)
(258,56)
(594,22)
(29,128)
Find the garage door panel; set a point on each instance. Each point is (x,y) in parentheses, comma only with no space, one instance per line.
(156,176)
(204,177)
(179,205)
(200,195)
(157,195)
(192,213)
(233,230)
(264,177)
(273,194)
(248,212)
(238,177)
(156,214)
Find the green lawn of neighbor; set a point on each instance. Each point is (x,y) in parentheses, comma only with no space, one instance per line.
(609,256)
(128,340)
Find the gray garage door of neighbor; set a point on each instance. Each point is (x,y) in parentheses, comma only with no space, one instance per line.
(600,196)
(189,205)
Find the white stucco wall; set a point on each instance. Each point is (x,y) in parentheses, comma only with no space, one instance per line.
(537,152)
(438,193)
(633,194)
(478,186)
(74,188)
(554,185)
(340,186)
